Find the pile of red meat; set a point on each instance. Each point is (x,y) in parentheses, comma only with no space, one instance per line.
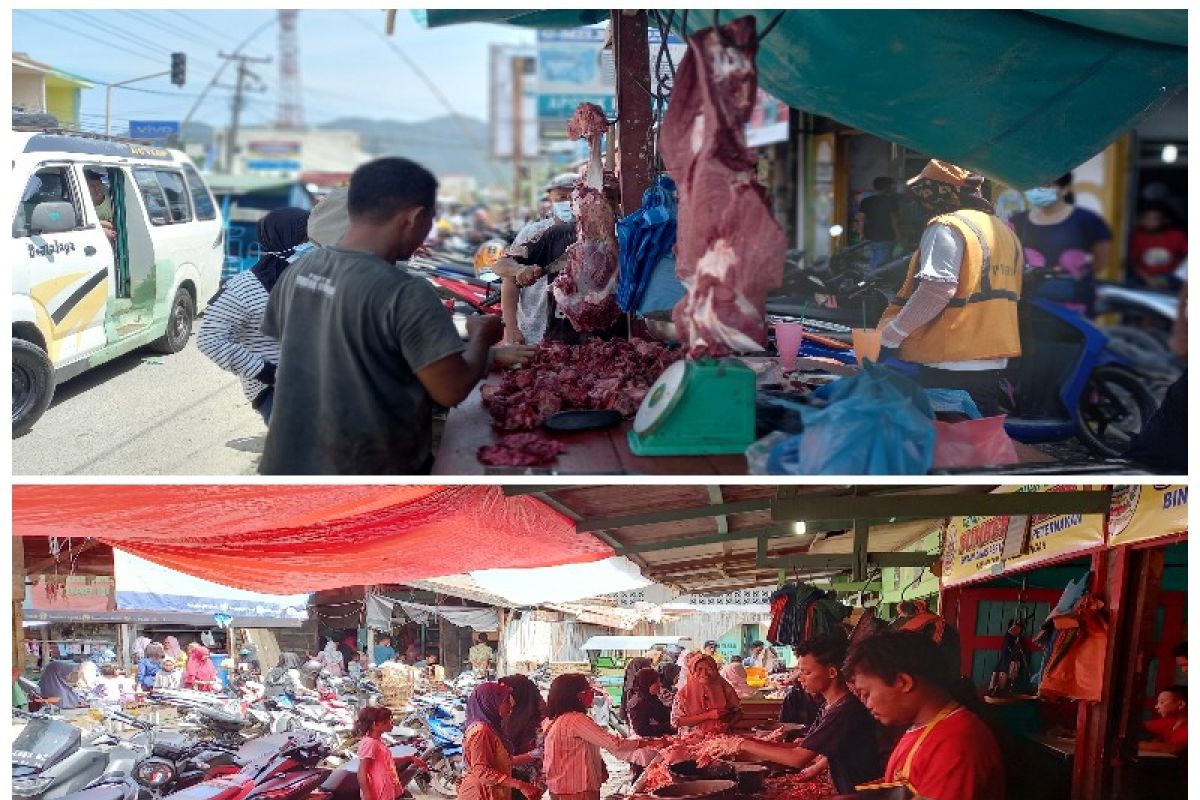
(592,375)
(586,289)
(793,787)
(521,450)
(730,249)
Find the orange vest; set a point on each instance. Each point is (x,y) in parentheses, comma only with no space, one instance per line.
(981,320)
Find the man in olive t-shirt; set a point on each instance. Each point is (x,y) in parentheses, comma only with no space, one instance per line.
(365,347)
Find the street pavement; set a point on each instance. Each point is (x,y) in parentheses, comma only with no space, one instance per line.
(146,414)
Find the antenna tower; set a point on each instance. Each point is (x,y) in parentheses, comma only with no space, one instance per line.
(290,114)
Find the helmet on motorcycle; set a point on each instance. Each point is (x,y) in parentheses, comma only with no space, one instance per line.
(488,253)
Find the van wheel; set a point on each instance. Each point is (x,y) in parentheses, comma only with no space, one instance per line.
(179,323)
(32,385)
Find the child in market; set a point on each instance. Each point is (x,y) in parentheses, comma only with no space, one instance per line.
(377,778)
(1170,729)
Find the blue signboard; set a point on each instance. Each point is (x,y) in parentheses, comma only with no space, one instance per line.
(275,165)
(153,130)
(562,106)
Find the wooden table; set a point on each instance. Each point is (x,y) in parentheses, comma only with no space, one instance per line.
(605,452)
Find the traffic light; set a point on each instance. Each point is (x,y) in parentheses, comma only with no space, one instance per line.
(178,68)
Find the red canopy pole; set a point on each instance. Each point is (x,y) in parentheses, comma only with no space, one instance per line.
(631,47)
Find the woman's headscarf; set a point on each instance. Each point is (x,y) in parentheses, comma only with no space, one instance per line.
(521,726)
(172,649)
(279,234)
(735,674)
(139,647)
(701,694)
(483,708)
(331,658)
(670,676)
(56,682)
(632,668)
(200,670)
(639,689)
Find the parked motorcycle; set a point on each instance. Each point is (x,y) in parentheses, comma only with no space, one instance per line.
(443,752)
(52,758)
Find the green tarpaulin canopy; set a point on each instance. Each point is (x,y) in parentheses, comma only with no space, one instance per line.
(1019,96)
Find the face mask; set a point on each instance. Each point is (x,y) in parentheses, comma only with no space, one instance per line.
(562,210)
(1042,196)
(300,250)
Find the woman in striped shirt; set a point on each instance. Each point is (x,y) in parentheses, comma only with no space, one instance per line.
(573,764)
(230,334)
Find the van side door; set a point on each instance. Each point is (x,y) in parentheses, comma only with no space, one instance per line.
(61,253)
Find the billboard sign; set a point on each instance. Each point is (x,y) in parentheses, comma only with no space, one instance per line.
(154,130)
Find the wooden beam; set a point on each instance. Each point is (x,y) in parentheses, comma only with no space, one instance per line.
(716,498)
(772,532)
(817,507)
(862,531)
(517,491)
(847,561)
(672,515)
(631,49)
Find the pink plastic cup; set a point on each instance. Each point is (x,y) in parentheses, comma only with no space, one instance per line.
(788,338)
(867,343)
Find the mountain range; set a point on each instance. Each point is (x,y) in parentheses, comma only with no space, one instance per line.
(446,145)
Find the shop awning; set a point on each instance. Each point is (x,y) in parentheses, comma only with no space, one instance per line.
(1020,96)
(563,584)
(292,539)
(379,614)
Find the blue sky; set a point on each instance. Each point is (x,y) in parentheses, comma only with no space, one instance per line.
(345,67)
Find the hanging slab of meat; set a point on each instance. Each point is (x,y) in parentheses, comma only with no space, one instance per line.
(586,289)
(730,249)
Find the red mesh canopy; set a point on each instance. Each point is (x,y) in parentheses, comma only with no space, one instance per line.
(295,539)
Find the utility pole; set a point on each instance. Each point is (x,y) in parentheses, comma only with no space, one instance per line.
(238,100)
(518,75)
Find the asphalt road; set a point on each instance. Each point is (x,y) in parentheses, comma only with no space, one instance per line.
(145,414)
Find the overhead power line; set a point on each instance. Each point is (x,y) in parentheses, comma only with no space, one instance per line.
(61,26)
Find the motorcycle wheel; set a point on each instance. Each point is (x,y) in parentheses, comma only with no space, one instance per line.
(445,776)
(1113,409)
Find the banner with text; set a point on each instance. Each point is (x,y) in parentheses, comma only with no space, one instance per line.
(1143,513)
(975,548)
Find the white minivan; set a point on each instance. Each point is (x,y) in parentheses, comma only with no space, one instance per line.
(115,245)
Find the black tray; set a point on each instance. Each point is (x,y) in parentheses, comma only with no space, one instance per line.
(582,420)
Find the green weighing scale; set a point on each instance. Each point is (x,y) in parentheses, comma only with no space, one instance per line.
(704,407)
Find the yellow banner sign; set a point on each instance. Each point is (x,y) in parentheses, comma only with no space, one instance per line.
(975,548)
(1142,513)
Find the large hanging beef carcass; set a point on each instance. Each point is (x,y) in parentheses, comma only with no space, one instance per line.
(586,289)
(730,249)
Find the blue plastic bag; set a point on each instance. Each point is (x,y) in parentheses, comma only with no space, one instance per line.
(876,423)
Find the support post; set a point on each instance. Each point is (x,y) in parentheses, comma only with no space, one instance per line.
(518,64)
(862,530)
(18,600)
(631,47)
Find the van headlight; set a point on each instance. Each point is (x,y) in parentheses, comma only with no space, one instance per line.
(30,787)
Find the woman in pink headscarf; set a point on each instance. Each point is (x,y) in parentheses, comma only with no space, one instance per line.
(735,673)
(200,673)
(173,651)
(706,702)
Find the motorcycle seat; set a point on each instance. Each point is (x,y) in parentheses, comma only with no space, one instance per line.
(461,269)
(220,717)
(108,791)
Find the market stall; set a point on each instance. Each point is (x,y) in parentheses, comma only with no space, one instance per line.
(789,388)
(1051,612)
